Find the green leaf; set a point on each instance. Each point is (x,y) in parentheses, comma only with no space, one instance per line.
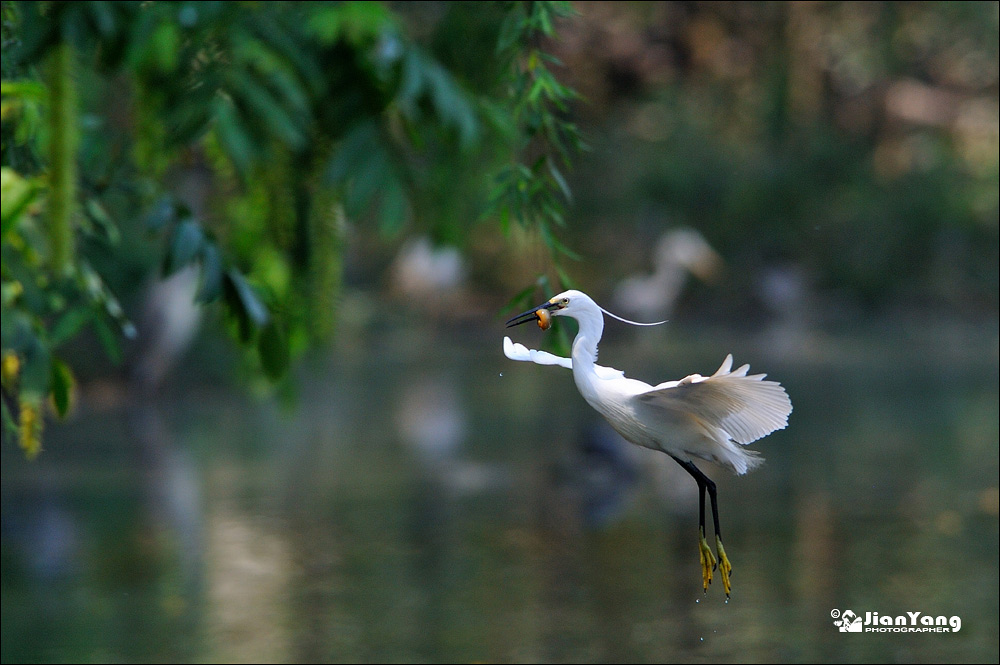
(62,386)
(9,424)
(108,339)
(564,277)
(411,79)
(101,17)
(393,209)
(326,23)
(545,285)
(512,30)
(290,91)
(265,109)
(273,348)
(211,274)
(162,212)
(233,137)
(544,20)
(36,369)
(184,246)
(519,300)
(140,38)
(68,325)
(188,122)
(354,153)
(565,251)
(371,173)
(560,180)
(102,221)
(285,43)
(247,298)
(163,48)
(10,292)
(17,332)
(244,327)
(17,195)
(23,91)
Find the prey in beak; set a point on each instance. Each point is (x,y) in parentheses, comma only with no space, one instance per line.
(541,314)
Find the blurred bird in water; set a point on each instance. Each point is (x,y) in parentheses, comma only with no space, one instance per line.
(704,417)
(605,473)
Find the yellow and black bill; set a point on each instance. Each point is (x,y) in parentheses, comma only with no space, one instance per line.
(539,314)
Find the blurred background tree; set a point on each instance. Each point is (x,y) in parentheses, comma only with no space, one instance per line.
(231,142)
(840,157)
(854,144)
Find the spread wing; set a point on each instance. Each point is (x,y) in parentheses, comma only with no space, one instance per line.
(744,407)
(516,351)
(523,353)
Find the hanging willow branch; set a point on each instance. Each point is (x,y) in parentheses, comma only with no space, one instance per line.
(62,157)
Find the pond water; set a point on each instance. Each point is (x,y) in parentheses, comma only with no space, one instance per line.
(427,500)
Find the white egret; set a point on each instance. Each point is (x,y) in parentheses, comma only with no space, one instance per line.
(168,325)
(426,273)
(704,417)
(678,252)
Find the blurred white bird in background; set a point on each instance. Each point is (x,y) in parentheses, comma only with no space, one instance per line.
(678,252)
(169,323)
(426,272)
(708,418)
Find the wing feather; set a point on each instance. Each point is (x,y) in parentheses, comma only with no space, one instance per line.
(746,407)
(516,351)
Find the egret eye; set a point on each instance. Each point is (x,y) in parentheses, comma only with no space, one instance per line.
(544,319)
(564,302)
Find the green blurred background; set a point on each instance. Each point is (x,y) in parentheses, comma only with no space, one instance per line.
(256,260)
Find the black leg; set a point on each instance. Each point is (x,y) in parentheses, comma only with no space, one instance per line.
(715,507)
(701,508)
(704,482)
(708,561)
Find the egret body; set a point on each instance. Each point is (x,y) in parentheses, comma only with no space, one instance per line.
(705,417)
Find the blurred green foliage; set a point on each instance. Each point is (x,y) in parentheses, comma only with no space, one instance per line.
(239,138)
(855,143)
(852,145)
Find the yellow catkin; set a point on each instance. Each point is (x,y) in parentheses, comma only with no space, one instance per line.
(31,427)
(10,369)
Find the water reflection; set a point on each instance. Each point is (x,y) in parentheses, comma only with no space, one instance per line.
(424,505)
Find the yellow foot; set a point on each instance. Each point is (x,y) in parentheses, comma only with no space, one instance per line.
(725,568)
(708,563)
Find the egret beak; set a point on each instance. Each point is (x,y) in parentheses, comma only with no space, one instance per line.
(530,315)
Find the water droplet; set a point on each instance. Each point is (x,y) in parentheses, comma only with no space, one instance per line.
(501,374)
(697,600)
(701,639)
(727,601)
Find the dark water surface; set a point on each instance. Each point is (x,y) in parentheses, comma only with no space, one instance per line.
(429,501)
